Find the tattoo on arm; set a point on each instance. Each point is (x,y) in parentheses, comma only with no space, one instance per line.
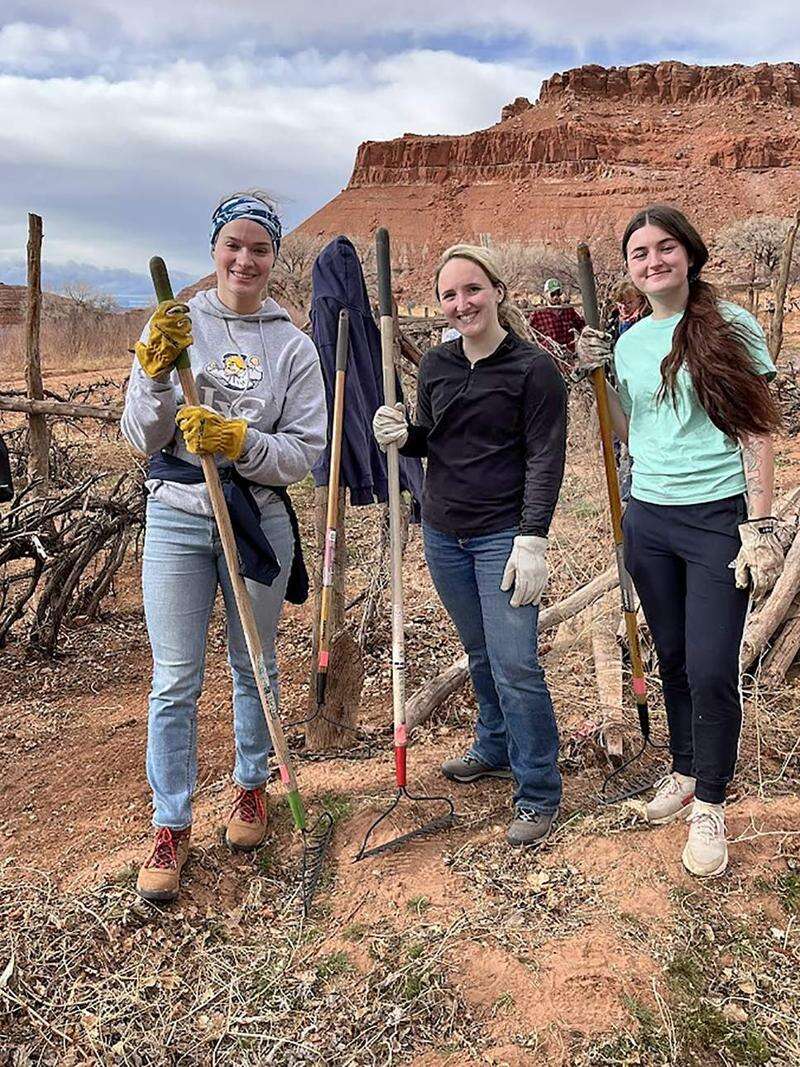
(757,462)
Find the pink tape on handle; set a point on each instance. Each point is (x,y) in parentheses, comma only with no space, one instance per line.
(284,773)
(401,735)
(640,687)
(323,659)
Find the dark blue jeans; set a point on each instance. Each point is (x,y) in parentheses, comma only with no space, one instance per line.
(516,726)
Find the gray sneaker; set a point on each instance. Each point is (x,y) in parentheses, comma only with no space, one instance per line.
(469,768)
(530,827)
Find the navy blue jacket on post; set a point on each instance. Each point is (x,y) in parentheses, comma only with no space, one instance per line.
(338,282)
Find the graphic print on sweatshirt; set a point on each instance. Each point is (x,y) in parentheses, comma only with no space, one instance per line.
(235,371)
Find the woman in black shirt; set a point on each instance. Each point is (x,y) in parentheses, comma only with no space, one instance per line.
(491,420)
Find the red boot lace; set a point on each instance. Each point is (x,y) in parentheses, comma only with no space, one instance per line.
(249,805)
(165,849)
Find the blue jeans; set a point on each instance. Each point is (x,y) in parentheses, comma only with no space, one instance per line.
(183,565)
(516,726)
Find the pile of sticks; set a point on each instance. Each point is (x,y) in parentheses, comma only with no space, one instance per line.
(60,551)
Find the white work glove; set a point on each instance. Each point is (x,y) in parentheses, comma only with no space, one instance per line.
(526,570)
(390,426)
(760,559)
(594,349)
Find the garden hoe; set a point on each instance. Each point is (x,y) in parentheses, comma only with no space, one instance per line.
(396,553)
(316,838)
(630,778)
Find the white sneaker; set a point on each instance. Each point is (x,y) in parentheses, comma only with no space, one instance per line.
(706,852)
(673,799)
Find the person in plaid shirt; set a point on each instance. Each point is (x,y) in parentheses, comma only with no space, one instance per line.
(558,321)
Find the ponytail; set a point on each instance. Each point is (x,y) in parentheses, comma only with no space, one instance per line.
(717,356)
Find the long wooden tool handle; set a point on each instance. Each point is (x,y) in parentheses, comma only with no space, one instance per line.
(591,314)
(332,516)
(395,514)
(163,288)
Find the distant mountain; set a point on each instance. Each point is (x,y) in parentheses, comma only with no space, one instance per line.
(721,142)
(128,289)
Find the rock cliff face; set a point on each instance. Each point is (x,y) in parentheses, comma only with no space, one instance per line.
(720,142)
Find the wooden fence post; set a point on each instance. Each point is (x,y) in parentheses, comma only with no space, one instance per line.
(776,332)
(38,430)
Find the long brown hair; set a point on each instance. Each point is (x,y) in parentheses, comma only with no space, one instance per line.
(509,315)
(715,352)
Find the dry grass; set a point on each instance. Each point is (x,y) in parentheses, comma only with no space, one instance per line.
(232,975)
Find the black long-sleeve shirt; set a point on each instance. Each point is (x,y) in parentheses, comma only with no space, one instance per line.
(494,433)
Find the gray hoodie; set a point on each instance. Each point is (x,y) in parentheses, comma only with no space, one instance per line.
(258,367)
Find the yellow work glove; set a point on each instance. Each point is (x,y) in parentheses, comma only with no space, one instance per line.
(205,431)
(170,334)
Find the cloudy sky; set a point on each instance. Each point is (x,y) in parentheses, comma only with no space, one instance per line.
(122,122)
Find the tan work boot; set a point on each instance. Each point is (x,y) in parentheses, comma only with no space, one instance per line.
(247,823)
(706,852)
(674,798)
(160,874)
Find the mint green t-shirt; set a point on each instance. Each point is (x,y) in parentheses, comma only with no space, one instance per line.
(679,456)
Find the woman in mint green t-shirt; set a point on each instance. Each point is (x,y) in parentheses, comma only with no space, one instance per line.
(694,405)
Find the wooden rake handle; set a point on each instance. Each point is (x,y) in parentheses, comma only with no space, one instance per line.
(588,288)
(163,288)
(395,513)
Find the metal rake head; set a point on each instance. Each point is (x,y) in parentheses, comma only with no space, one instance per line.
(636,775)
(439,822)
(315,847)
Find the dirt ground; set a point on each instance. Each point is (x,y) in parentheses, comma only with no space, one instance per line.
(598,949)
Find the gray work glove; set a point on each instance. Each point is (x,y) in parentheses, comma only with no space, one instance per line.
(594,349)
(760,559)
(526,570)
(390,426)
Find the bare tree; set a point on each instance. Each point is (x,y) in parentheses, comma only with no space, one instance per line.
(750,250)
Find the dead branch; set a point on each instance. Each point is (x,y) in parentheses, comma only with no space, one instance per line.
(763,624)
(429,696)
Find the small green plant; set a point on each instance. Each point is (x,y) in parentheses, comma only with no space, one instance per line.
(354,932)
(419,905)
(415,951)
(334,964)
(504,1004)
(789,890)
(337,805)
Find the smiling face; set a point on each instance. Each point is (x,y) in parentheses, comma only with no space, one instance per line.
(657,263)
(468,299)
(243,257)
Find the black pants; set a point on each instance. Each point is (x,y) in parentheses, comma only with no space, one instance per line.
(678,557)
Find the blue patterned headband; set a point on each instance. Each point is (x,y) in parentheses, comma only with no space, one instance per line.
(245,207)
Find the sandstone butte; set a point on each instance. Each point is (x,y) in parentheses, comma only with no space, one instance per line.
(722,142)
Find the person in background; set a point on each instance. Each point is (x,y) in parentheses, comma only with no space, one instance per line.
(491,420)
(694,405)
(629,306)
(557,320)
(263,419)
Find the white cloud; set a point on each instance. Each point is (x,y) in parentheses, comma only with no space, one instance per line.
(107,152)
(36,49)
(123,122)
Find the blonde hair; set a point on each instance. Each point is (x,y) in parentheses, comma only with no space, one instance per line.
(509,315)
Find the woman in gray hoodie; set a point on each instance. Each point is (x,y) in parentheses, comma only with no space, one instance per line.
(263,417)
